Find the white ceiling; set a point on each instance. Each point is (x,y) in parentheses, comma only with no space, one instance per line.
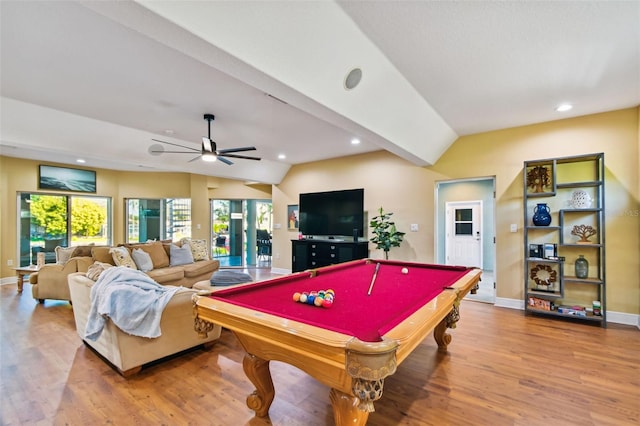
(99,80)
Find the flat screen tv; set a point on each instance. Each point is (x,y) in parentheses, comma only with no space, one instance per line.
(332,214)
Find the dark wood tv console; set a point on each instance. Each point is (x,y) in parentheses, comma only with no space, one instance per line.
(310,254)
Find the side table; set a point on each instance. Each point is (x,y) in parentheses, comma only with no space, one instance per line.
(22,271)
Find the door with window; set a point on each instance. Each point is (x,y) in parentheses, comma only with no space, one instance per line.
(51,220)
(464,233)
(235,226)
(158,219)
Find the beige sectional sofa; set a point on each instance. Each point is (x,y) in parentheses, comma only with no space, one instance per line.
(50,282)
(128,353)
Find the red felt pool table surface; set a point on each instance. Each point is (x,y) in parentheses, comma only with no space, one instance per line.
(394,295)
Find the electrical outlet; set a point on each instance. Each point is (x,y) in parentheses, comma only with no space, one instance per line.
(198,226)
(414,227)
(9,262)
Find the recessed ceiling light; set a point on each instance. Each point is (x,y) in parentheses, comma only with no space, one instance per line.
(282,156)
(355,141)
(564,107)
(168,132)
(80,160)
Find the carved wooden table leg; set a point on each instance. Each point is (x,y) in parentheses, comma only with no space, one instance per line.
(257,370)
(440,334)
(345,409)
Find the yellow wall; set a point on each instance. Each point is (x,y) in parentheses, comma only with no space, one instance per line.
(408,191)
(17,175)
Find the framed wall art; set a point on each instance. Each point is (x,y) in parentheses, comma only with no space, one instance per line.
(66,179)
(292,217)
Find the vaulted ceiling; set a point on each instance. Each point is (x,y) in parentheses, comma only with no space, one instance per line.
(100,80)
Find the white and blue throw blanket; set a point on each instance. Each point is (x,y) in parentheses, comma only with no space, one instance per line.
(132,300)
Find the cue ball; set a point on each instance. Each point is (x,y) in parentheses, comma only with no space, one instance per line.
(405,271)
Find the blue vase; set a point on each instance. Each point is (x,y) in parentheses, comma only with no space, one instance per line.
(541,215)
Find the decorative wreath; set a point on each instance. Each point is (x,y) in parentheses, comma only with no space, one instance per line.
(543,274)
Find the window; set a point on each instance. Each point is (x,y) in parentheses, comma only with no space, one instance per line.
(158,219)
(50,220)
(464,221)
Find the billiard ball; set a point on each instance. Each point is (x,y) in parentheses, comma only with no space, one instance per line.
(296,296)
(318,301)
(327,303)
(405,271)
(311,298)
(303,298)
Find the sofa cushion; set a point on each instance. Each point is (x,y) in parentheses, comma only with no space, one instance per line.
(181,255)
(94,271)
(198,248)
(200,267)
(159,257)
(102,254)
(226,277)
(142,259)
(122,257)
(63,254)
(83,251)
(168,274)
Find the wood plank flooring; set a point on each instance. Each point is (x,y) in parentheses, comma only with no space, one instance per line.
(502,368)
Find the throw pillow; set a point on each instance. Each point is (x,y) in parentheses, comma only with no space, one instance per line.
(94,271)
(198,248)
(83,251)
(159,257)
(142,259)
(180,255)
(121,257)
(63,254)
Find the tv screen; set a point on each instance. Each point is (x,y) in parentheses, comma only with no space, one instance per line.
(332,214)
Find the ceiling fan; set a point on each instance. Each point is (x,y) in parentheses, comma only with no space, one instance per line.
(209,151)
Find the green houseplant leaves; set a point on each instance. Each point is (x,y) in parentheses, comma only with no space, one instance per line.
(385,234)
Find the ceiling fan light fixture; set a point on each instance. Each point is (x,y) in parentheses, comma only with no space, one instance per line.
(209,157)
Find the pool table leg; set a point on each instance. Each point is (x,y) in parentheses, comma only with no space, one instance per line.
(257,370)
(440,334)
(345,409)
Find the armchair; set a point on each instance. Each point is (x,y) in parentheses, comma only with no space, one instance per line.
(50,282)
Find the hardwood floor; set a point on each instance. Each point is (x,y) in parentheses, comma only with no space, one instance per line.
(502,368)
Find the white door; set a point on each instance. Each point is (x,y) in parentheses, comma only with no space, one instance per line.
(464,233)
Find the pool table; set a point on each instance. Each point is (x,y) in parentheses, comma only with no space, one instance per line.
(380,313)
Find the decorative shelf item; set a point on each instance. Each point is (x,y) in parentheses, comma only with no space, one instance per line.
(580,199)
(544,275)
(541,215)
(582,267)
(584,232)
(538,178)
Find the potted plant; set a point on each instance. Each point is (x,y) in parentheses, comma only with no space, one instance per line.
(385,234)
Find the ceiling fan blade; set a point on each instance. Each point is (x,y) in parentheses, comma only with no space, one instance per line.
(225,161)
(194,159)
(244,157)
(246,148)
(175,152)
(208,145)
(175,144)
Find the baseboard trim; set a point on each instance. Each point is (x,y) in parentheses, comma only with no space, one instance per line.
(8,280)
